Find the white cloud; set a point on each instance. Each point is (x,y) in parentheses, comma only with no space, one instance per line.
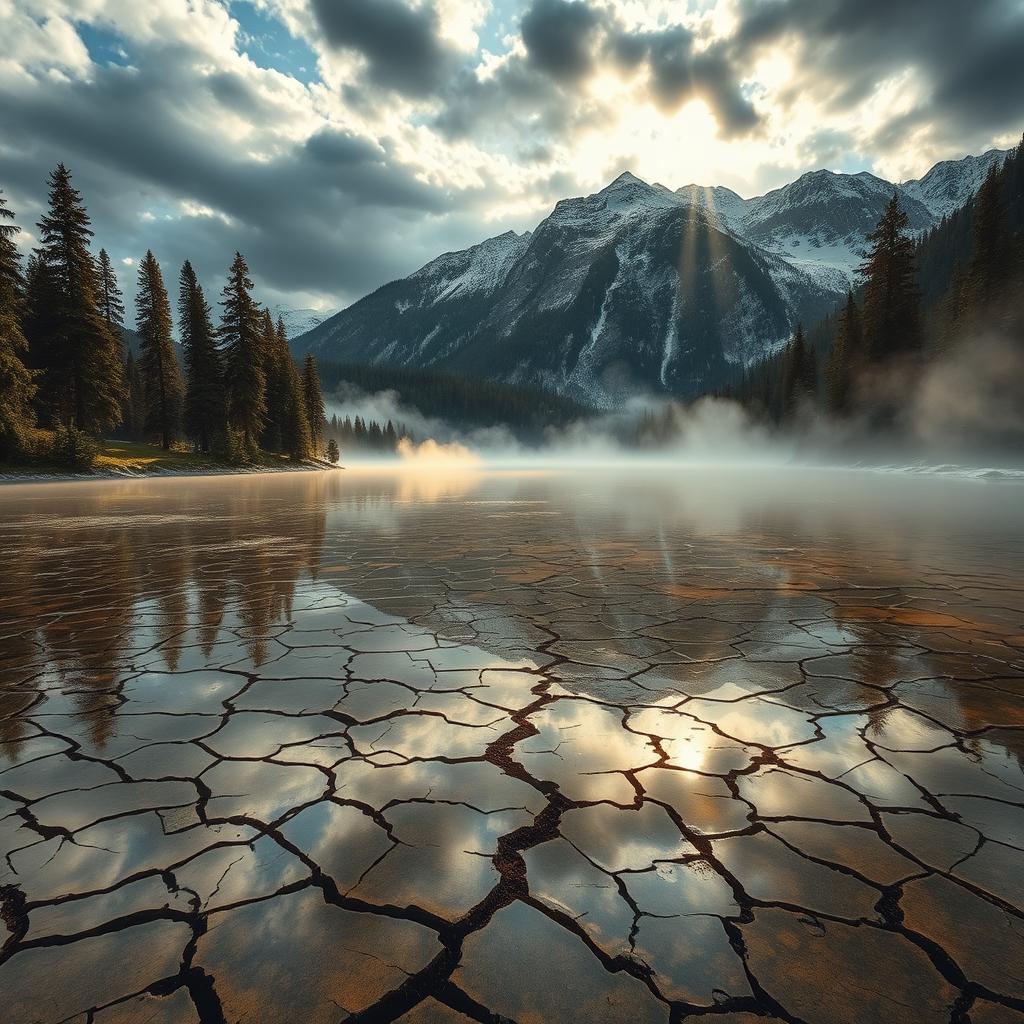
(336,186)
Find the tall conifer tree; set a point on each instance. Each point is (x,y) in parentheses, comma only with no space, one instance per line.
(297,435)
(17,386)
(799,373)
(288,428)
(891,316)
(313,395)
(205,409)
(159,365)
(242,343)
(275,370)
(39,324)
(134,409)
(111,299)
(83,382)
(991,261)
(842,360)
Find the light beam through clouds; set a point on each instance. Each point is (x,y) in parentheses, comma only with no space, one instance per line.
(344,145)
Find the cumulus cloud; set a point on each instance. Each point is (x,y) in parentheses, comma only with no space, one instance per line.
(958,63)
(343,143)
(678,73)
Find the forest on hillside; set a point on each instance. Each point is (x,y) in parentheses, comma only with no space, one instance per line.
(951,301)
(465,403)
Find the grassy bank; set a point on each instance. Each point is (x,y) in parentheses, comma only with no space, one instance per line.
(132,458)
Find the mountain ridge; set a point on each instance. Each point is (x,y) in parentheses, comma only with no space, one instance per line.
(638,287)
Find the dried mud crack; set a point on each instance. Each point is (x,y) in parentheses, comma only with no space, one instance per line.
(323,751)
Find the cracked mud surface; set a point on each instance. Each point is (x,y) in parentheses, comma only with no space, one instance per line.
(524,748)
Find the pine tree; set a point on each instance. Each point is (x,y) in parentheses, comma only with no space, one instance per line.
(83,382)
(161,375)
(800,373)
(134,408)
(297,435)
(842,360)
(287,425)
(333,455)
(242,344)
(275,370)
(205,410)
(314,398)
(17,386)
(990,263)
(891,316)
(111,299)
(38,324)
(953,310)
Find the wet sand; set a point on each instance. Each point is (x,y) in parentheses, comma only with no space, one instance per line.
(550,746)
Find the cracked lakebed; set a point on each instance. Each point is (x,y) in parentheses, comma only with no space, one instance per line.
(531,747)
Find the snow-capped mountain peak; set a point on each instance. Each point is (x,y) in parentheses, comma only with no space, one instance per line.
(626,196)
(949,184)
(638,286)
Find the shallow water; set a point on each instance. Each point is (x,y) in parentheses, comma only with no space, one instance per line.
(544,746)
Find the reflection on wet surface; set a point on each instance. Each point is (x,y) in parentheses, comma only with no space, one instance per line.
(527,747)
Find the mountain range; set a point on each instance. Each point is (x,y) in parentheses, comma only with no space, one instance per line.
(639,287)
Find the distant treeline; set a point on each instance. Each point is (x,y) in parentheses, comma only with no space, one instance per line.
(915,302)
(64,368)
(465,402)
(363,435)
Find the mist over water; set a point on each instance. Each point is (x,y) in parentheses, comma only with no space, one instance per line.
(957,414)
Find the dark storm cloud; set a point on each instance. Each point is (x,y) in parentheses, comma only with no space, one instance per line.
(516,95)
(332,215)
(969,54)
(400,43)
(679,73)
(558,37)
(566,42)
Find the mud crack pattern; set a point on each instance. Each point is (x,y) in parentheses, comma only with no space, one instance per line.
(511,748)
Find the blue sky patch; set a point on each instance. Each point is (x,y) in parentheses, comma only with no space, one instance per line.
(269,44)
(105,47)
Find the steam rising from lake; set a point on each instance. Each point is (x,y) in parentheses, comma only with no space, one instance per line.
(958,414)
(431,453)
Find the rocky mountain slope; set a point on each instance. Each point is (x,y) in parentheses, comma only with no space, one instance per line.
(637,287)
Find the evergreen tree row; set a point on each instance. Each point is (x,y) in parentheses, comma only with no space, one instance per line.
(363,435)
(915,300)
(63,367)
(462,400)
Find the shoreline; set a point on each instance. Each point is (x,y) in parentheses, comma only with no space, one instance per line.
(31,477)
(922,471)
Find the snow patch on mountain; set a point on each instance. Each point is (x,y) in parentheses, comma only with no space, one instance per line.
(298,321)
(481,268)
(951,183)
(638,287)
(721,203)
(626,197)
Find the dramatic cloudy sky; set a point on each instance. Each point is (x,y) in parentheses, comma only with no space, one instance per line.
(342,143)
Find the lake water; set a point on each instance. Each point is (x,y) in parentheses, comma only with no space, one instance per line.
(451,745)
